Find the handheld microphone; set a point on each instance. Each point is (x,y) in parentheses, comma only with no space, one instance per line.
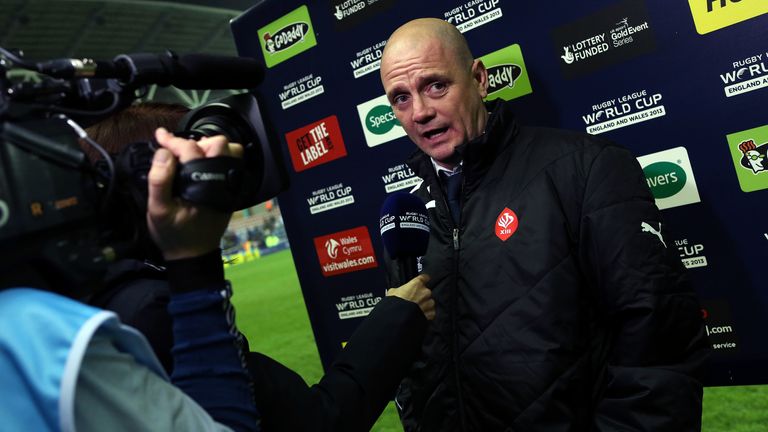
(190,71)
(404,226)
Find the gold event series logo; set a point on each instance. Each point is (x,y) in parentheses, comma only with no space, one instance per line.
(711,15)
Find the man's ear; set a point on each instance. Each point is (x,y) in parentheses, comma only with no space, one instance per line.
(480,76)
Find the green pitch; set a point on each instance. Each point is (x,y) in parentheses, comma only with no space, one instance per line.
(271,313)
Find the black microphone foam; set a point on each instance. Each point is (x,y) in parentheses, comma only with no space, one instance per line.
(209,71)
(404,227)
(189,71)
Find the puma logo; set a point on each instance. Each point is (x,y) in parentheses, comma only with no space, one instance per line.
(646,227)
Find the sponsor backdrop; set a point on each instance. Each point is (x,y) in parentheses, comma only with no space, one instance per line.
(684,85)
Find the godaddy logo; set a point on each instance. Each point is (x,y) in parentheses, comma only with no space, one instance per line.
(665,179)
(286,37)
(501,76)
(332,248)
(380,120)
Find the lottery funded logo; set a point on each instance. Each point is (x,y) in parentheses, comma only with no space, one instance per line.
(400,177)
(612,35)
(472,14)
(345,251)
(301,90)
(287,36)
(356,306)
(507,74)
(746,75)
(749,150)
(368,60)
(379,122)
(711,15)
(670,177)
(330,198)
(718,322)
(626,110)
(315,144)
(691,253)
(350,13)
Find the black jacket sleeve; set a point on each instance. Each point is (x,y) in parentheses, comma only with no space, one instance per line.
(354,391)
(657,340)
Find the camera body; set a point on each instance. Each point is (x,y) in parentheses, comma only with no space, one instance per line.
(53,200)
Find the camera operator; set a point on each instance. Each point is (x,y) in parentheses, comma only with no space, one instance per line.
(136,286)
(102,375)
(66,364)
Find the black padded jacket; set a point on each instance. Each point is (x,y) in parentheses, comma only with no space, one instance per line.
(560,304)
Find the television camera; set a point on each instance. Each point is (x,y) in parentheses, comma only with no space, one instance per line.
(53,199)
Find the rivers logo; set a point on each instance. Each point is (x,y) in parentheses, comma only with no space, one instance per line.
(670,178)
(507,75)
(506,224)
(711,15)
(287,36)
(749,150)
(379,122)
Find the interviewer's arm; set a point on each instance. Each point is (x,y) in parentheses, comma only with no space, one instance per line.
(354,391)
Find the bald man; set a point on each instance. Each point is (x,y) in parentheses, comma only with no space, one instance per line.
(557,309)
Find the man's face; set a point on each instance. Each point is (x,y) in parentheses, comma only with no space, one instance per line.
(436,99)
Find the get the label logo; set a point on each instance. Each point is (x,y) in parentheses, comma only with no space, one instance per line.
(506,224)
(711,15)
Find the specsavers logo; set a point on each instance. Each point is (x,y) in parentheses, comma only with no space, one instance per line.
(287,36)
(670,177)
(711,15)
(749,150)
(345,251)
(507,75)
(379,122)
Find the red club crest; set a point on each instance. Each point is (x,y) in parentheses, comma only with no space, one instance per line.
(506,224)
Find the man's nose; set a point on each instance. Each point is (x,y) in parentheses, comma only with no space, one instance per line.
(422,110)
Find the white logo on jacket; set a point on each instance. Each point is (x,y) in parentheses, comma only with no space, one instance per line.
(646,227)
(505,220)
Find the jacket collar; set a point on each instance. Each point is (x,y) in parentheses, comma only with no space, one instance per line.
(478,154)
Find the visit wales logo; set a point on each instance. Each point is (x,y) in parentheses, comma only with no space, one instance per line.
(749,150)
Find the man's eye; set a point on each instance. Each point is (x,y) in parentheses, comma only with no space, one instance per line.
(399,99)
(437,87)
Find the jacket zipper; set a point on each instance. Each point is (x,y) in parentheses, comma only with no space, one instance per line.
(454,317)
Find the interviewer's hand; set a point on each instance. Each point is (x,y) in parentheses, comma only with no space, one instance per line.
(179,228)
(416,291)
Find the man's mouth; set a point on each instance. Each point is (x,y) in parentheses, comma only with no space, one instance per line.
(430,134)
